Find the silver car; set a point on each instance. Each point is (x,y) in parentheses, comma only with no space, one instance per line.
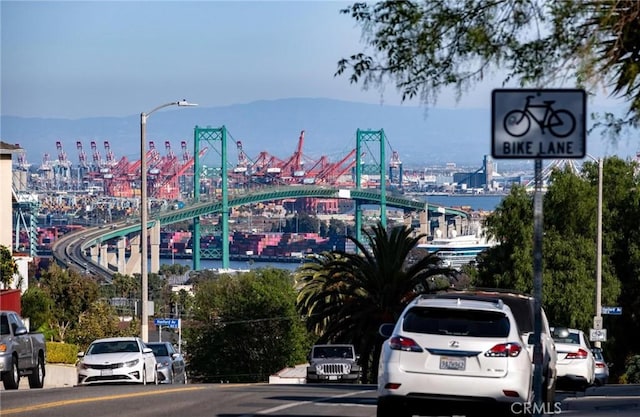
(602,367)
(171,366)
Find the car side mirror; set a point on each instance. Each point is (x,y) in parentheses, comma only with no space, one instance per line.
(147,350)
(386,330)
(81,354)
(20,330)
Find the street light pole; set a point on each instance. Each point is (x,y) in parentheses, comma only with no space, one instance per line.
(597,319)
(144,330)
(599,251)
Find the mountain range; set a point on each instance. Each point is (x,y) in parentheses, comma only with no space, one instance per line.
(420,136)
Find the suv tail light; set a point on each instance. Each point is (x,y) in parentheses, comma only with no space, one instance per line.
(404,343)
(504,350)
(580,354)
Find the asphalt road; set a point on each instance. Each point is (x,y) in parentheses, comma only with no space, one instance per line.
(239,400)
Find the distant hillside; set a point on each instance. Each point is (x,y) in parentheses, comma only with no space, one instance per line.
(421,137)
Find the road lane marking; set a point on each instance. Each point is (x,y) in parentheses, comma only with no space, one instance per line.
(89,400)
(298,403)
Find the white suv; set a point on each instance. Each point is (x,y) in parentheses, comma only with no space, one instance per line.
(523,308)
(447,355)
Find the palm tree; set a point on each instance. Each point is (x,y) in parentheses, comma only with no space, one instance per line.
(345,297)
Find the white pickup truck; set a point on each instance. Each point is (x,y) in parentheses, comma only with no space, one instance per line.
(21,353)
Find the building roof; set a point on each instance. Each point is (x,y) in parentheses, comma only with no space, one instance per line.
(6,148)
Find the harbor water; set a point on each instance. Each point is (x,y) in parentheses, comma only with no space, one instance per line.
(237,265)
(477,202)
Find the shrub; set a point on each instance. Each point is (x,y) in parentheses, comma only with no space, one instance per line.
(632,371)
(58,352)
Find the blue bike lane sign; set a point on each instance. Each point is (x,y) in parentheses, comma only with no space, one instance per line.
(538,123)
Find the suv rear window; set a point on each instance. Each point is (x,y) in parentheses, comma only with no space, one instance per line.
(474,323)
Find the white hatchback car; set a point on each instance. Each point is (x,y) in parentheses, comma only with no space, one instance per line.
(576,363)
(453,356)
(117,360)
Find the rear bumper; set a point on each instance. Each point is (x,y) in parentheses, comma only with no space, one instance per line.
(602,379)
(446,405)
(445,388)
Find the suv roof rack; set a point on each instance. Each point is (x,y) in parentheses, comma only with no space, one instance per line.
(465,296)
(487,289)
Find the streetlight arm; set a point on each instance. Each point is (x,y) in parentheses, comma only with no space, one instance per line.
(181,103)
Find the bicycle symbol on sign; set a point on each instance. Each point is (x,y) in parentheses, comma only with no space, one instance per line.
(561,123)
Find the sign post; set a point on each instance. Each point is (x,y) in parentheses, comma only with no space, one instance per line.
(538,124)
(172,324)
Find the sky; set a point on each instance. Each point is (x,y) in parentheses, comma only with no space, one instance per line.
(78,59)
(91,58)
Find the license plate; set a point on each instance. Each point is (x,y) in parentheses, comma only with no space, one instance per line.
(106,372)
(333,377)
(455,364)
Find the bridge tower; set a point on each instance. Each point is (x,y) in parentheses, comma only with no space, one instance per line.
(25,209)
(217,139)
(363,138)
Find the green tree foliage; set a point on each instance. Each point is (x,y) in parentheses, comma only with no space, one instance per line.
(632,370)
(345,297)
(71,293)
(168,270)
(509,264)
(245,327)
(37,306)
(8,266)
(425,46)
(98,321)
(569,249)
(126,286)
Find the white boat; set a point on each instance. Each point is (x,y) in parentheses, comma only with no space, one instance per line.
(457,250)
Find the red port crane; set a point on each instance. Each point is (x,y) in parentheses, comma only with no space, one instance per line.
(109,158)
(294,166)
(97,158)
(82,156)
(62,156)
(169,187)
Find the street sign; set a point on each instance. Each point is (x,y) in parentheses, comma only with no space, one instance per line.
(598,335)
(597,323)
(171,323)
(538,124)
(615,311)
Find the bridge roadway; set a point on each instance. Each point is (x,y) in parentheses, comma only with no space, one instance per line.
(71,249)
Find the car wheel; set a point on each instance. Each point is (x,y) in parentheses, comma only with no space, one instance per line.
(170,377)
(144,376)
(11,379)
(36,379)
